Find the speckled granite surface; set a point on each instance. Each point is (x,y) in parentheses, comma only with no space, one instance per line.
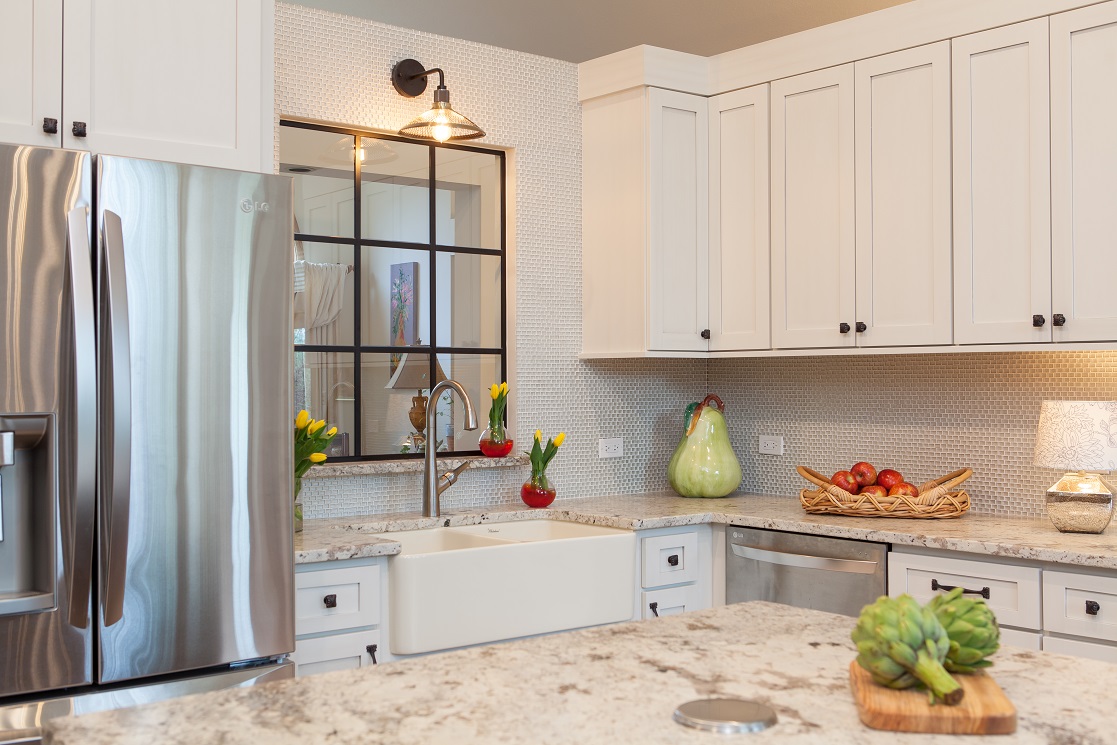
(1010,537)
(414,465)
(612,684)
(319,542)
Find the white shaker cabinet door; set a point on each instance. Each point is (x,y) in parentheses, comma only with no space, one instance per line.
(168,80)
(813,273)
(739,274)
(30,71)
(903,198)
(1084,173)
(1002,212)
(678,245)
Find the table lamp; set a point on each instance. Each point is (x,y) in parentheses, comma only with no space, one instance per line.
(413,372)
(1078,437)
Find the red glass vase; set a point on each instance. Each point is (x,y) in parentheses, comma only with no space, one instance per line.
(494,444)
(538,491)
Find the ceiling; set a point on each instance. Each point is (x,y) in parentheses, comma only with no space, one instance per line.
(579,30)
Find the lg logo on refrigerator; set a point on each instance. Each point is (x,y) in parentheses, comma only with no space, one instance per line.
(248,206)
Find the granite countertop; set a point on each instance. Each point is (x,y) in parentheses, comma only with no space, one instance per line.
(1010,537)
(610,684)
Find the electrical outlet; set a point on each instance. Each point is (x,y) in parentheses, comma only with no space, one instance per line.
(771,444)
(612,447)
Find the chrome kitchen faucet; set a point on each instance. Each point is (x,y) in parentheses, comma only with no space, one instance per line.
(433,484)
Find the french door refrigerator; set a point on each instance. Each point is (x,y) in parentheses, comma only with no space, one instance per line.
(145,434)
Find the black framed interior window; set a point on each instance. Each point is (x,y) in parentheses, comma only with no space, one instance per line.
(400,279)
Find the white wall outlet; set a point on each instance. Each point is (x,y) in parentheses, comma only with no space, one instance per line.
(771,445)
(612,447)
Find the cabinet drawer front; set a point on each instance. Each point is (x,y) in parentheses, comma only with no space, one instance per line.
(1090,650)
(669,602)
(670,559)
(325,654)
(355,599)
(1024,639)
(1080,604)
(1013,591)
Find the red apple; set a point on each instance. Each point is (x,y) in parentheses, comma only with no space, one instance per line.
(889,478)
(903,488)
(845,480)
(874,490)
(865,474)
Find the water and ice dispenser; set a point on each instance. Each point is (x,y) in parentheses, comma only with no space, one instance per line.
(28,510)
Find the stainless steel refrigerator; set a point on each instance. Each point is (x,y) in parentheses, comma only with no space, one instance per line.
(145,430)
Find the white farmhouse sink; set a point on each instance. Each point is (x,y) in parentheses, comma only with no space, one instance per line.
(452,587)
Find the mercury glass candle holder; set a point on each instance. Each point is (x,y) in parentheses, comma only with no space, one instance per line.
(1078,437)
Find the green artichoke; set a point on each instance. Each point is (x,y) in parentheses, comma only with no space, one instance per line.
(903,645)
(972,629)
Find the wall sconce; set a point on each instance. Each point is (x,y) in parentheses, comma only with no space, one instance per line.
(441,122)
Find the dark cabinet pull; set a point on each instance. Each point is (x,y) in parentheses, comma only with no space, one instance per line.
(1058,319)
(330,601)
(705,333)
(50,126)
(371,649)
(79,129)
(654,607)
(1038,320)
(1092,607)
(843,328)
(983,592)
(673,560)
(861,327)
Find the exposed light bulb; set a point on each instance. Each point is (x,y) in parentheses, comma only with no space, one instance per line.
(361,153)
(441,132)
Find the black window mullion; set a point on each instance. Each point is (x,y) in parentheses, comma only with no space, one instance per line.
(503,279)
(358,300)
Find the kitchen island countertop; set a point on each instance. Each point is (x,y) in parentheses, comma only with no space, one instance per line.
(1033,539)
(610,684)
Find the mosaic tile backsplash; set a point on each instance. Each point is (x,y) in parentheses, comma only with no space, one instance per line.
(925,414)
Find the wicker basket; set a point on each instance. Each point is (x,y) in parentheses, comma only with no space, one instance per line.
(936,498)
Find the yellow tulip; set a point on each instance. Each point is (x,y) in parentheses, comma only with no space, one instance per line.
(494,391)
(302,419)
(539,435)
(316,426)
(559,439)
(317,457)
(504,388)
(331,432)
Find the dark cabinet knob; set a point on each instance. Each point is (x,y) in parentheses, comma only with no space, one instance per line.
(843,328)
(330,601)
(705,333)
(1038,320)
(1058,319)
(371,649)
(50,126)
(79,129)
(1092,607)
(861,327)
(673,560)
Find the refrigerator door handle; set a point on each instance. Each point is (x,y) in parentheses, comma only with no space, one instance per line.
(83,479)
(116,420)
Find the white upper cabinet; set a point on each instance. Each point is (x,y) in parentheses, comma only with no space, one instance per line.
(31,65)
(903,198)
(739,273)
(184,82)
(645,246)
(1002,233)
(1084,173)
(678,243)
(813,273)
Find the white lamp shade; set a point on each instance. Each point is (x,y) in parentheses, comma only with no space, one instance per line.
(1077,436)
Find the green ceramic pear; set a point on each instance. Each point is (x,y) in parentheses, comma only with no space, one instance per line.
(704,464)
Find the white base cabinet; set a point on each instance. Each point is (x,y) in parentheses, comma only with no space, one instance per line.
(340,615)
(677,571)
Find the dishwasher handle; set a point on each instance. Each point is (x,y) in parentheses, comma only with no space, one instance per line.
(771,556)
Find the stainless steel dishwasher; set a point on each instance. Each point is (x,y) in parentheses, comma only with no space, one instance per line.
(807,571)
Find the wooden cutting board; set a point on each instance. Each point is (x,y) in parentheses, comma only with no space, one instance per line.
(985,710)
